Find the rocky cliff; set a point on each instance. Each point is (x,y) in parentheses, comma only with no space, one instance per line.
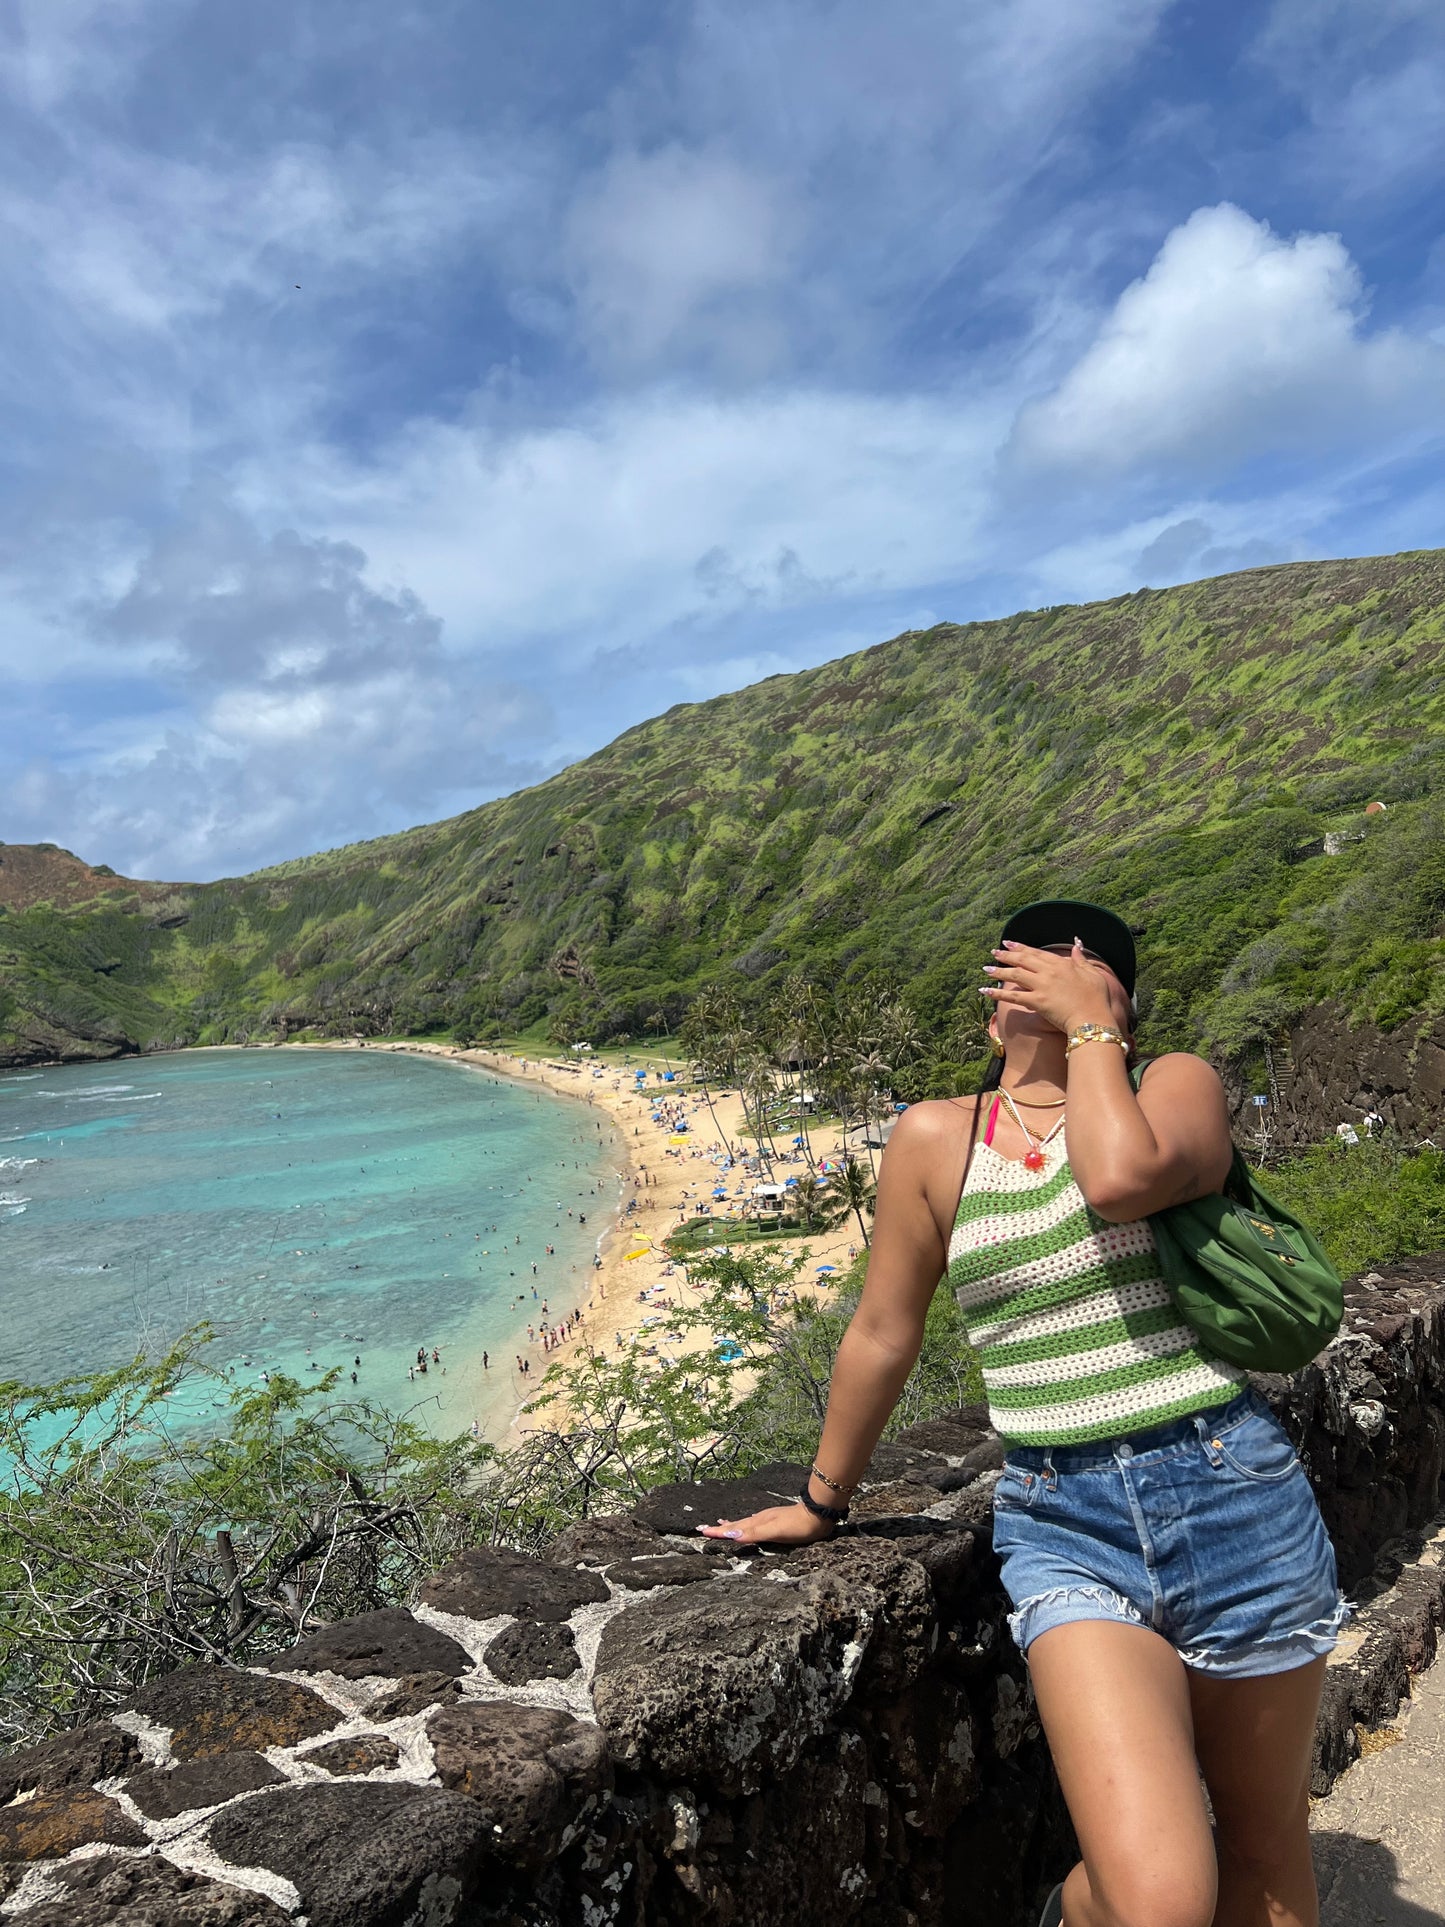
(648,1728)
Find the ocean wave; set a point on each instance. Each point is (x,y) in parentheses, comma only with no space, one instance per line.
(92,1095)
(12,1207)
(17,1164)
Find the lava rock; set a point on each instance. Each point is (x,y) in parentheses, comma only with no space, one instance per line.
(390,1642)
(118,1891)
(898,1500)
(532,1772)
(944,1437)
(413,1695)
(717,1684)
(987,1456)
(685,1507)
(53,1824)
(532,1649)
(95,1751)
(895,1461)
(600,1541)
(212,1709)
(363,1753)
(361,1855)
(199,1783)
(660,1569)
(488,1581)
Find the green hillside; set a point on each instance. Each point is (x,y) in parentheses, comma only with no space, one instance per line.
(1181,754)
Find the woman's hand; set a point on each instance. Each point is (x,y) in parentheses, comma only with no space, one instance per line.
(1065,991)
(779,1525)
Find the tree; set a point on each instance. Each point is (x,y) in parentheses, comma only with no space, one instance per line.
(816,1206)
(128,1547)
(853,1188)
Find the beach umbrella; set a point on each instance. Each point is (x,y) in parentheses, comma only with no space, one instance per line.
(823,1268)
(721,1192)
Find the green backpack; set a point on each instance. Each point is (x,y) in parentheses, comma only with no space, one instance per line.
(1247,1276)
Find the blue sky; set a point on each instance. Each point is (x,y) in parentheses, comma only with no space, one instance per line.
(400,400)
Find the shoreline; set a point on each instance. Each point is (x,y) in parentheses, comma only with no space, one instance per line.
(674,1185)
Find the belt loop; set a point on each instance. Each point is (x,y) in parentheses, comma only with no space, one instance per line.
(1051,1477)
(1208,1440)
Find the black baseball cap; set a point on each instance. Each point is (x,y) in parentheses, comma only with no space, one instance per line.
(1059,920)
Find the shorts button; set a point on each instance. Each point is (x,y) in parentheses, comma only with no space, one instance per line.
(1126,1451)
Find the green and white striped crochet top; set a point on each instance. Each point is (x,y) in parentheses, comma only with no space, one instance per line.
(1075,1329)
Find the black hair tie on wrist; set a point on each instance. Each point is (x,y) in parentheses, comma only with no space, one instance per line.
(834,1514)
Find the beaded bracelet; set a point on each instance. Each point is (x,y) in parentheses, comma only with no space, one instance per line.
(1095,1034)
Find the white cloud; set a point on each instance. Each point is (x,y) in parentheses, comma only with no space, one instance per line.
(1235,344)
(679,243)
(319,708)
(664,506)
(1370,77)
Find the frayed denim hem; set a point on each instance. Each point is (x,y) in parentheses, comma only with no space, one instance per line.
(1265,1656)
(1067,1606)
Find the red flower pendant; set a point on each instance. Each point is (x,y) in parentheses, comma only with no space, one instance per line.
(1033,1158)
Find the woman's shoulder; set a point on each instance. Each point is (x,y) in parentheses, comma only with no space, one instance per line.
(936,1120)
(1179,1073)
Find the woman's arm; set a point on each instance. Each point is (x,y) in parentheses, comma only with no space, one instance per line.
(883,1340)
(1129,1154)
(1133,1155)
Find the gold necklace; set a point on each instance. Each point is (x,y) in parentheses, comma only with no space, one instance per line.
(1033,1157)
(1037,1103)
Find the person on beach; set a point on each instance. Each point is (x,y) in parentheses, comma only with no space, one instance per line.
(1173,1586)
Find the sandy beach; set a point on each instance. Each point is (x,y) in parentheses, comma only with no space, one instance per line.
(666,1173)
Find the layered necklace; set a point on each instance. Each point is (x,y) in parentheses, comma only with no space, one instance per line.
(1033,1158)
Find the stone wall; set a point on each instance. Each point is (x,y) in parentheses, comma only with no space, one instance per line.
(646,1727)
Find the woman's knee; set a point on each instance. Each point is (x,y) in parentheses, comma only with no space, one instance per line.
(1260,1845)
(1161,1899)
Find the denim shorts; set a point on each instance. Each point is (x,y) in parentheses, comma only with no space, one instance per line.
(1205,1530)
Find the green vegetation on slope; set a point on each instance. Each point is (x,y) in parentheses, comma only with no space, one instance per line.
(1181,754)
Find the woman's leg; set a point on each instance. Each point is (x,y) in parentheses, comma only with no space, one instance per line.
(1255,1738)
(1114,1701)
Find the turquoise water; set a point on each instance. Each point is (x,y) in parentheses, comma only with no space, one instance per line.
(315,1206)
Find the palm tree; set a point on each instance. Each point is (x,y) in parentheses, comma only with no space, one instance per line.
(817,1208)
(798,1045)
(872,1073)
(760,1087)
(854,1190)
(700,1033)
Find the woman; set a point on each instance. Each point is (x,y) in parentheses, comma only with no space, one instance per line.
(1173,1586)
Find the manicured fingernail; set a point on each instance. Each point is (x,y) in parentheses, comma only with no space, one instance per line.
(732,1535)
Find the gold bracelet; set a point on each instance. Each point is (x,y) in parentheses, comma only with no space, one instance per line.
(832,1484)
(1095,1034)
